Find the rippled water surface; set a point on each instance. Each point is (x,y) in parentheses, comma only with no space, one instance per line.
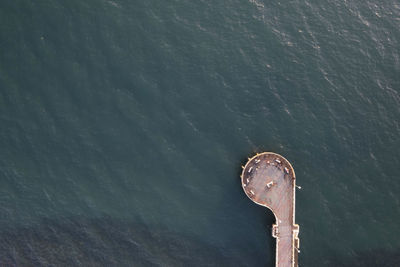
(123,126)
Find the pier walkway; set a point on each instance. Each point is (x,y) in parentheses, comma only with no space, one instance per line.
(269,180)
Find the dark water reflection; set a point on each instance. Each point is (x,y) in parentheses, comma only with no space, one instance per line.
(370,258)
(111,242)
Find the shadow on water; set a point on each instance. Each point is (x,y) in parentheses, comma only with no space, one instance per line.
(110,242)
(370,258)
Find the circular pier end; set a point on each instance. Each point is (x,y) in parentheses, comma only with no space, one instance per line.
(267,178)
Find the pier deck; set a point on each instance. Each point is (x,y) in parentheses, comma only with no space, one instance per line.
(269,180)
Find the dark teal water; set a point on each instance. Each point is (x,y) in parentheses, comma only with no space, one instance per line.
(123,126)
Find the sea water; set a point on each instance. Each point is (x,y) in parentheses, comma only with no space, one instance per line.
(124,125)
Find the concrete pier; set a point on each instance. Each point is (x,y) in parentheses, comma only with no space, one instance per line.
(268,179)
